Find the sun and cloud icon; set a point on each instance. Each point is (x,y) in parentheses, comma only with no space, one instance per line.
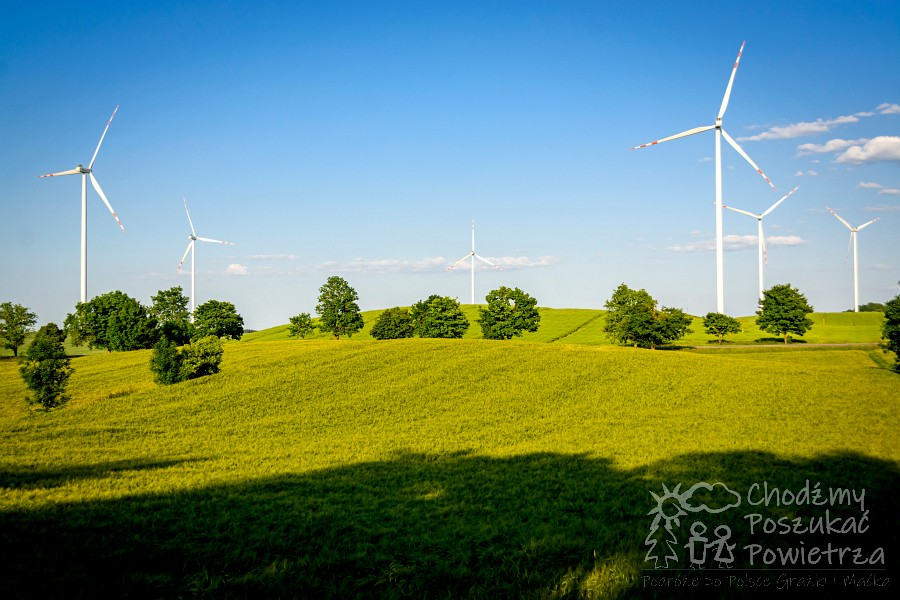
(672,505)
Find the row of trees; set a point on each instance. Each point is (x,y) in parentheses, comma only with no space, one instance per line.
(509,313)
(634,317)
(118,322)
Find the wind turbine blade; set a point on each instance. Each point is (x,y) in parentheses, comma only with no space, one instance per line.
(94,157)
(762,240)
(203,239)
(747,158)
(483,259)
(105,201)
(189,216)
(771,208)
(731,82)
(69,172)
(466,257)
(846,224)
(849,244)
(743,212)
(867,224)
(676,136)
(190,245)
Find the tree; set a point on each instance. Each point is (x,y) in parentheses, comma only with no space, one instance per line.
(891,328)
(720,325)
(871,307)
(338,311)
(633,318)
(393,324)
(201,357)
(46,370)
(15,322)
(783,311)
(301,325)
(170,309)
(220,319)
(508,313)
(114,321)
(166,362)
(438,317)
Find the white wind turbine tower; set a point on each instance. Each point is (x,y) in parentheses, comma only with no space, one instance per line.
(760,237)
(853,231)
(190,248)
(85,172)
(473,256)
(720,261)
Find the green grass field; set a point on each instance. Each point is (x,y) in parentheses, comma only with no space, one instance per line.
(426,468)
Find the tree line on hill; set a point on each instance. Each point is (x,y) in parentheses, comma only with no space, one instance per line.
(185,348)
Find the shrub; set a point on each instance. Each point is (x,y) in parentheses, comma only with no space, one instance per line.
(393,324)
(166,362)
(201,357)
(45,369)
(301,325)
(890,331)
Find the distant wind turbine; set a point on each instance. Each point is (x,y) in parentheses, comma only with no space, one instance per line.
(720,259)
(473,256)
(190,248)
(853,232)
(761,238)
(85,172)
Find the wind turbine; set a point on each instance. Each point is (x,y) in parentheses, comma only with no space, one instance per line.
(473,256)
(190,248)
(720,259)
(85,172)
(762,239)
(853,232)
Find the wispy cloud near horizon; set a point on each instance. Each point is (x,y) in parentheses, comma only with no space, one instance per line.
(733,243)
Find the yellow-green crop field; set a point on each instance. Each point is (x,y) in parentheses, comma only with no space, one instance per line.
(444,469)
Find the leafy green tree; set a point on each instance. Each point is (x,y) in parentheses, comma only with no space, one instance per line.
(633,318)
(52,330)
(438,317)
(166,362)
(890,330)
(393,324)
(871,307)
(338,311)
(15,322)
(170,309)
(720,325)
(46,371)
(783,311)
(201,357)
(114,321)
(220,319)
(301,325)
(509,312)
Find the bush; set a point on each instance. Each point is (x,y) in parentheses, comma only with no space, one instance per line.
(301,325)
(45,369)
(438,317)
(890,331)
(201,357)
(393,324)
(166,362)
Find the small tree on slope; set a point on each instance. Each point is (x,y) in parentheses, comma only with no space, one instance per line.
(783,311)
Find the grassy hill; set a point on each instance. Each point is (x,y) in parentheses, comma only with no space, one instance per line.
(447,468)
(585,326)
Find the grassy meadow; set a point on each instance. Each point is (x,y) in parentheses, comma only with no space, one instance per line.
(429,468)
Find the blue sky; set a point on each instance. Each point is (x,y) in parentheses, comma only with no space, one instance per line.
(361,139)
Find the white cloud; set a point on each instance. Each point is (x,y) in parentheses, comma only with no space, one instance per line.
(889,192)
(784,240)
(738,242)
(236,269)
(829,146)
(274,257)
(882,267)
(883,208)
(869,185)
(800,129)
(391,265)
(522,262)
(889,109)
(882,148)
(810,172)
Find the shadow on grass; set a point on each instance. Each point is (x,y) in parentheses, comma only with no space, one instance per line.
(444,526)
(18,478)
(778,340)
